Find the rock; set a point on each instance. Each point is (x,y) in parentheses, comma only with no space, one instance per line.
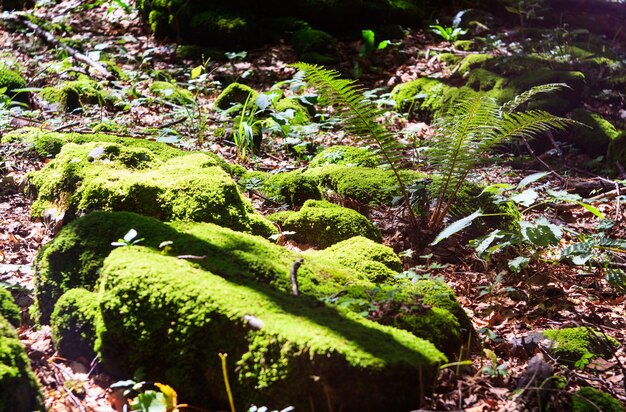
(171,93)
(422,97)
(588,399)
(569,345)
(345,155)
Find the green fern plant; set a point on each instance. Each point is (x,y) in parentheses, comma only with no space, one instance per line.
(360,118)
(468,130)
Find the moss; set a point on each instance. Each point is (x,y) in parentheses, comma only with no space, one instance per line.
(378,262)
(345,155)
(617,150)
(193,52)
(421,97)
(8,308)
(465,45)
(183,316)
(310,42)
(472,61)
(450,59)
(11,80)
(588,399)
(485,80)
(233,94)
(293,187)
(569,97)
(19,390)
(76,94)
(234,29)
(571,344)
(366,185)
(596,137)
(74,324)
(171,93)
(106,126)
(300,115)
(108,176)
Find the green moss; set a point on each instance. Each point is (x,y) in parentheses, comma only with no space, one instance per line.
(19,390)
(378,262)
(345,155)
(323,224)
(11,80)
(158,307)
(465,45)
(472,61)
(617,150)
(596,137)
(74,324)
(233,94)
(314,45)
(450,59)
(569,345)
(108,176)
(8,308)
(485,80)
(421,97)
(570,97)
(73,95)
(171,93)
(106,126)
(366,185)
(293,187)
(300,115)
(588,399)
(234,29)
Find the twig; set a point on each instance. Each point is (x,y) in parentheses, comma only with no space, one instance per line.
(293,275)
(21,18)
(191,257)
(65,126)
(172,123)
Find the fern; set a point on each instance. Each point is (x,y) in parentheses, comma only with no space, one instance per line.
(466,133)
(360,117)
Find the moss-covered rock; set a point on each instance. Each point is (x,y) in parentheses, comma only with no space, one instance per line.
(73,95)
(108,176)
(235,93)
(617,150)
(588,399)
(569,345)
(235,29)
(595,138)
(314,46)
(8,309)
(74,324)
(184,316)
(472,61)
(19,390)
(293,188)
(171,93)
(11,80)
(345,155)
(421,97)
(378,262)
(557,103)
(366,185)
(295,111)
(465,45)
(323,224)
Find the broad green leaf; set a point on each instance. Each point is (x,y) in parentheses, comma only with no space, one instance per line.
(517,264)
(456,227)
(496,188)
(383,44)
(196,71)
(368,38)
(564,196)
(592,209)
(3,90)
(531,179)
(484,243)
(541,232)
(526,198)
(263,101)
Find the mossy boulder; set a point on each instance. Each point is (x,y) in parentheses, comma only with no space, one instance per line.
(569,345)
(109,176)
(323,224)
(19,390)
(367,185)
(280,348)
(350,270)
(617,150)
(73,324)
(171,93)
(293,188)
(297,113)
(75,94)
(595,136)
(378,262)
(588,399)
(465,45)
(8,309)
(314,46)
(235,93)
(11,80)
(234,28)
(558,103)
(421,97)
(472,61)
(345,155)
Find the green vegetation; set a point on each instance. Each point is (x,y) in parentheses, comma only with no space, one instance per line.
(422,97)
(8,308)
(73,324)
(233,94)
(344,155)
(588,399)
(572,344)
(171,93)
(73,95)
(10,79)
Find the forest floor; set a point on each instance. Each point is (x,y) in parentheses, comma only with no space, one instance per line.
(503,306)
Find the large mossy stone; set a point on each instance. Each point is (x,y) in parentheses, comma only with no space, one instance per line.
(617,150)
(19,390)
(8,309)
(569,345)
(10,79)
(73,95)
(292,188)
(73,324)
(171,93)
(235,93)
(280,348)
(352,269)
(421,97)
(323,224)
(109,176)
(345,155)
(595,135)
(588,399)
(314,46)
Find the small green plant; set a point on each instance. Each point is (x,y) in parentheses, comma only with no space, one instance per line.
(368,48)
(493,369)
(450,33)
(145,396)
(128,239)
(526,10)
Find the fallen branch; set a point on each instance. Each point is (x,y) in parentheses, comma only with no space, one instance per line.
(20,18)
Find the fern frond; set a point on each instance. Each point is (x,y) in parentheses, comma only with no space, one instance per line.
(528,95)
